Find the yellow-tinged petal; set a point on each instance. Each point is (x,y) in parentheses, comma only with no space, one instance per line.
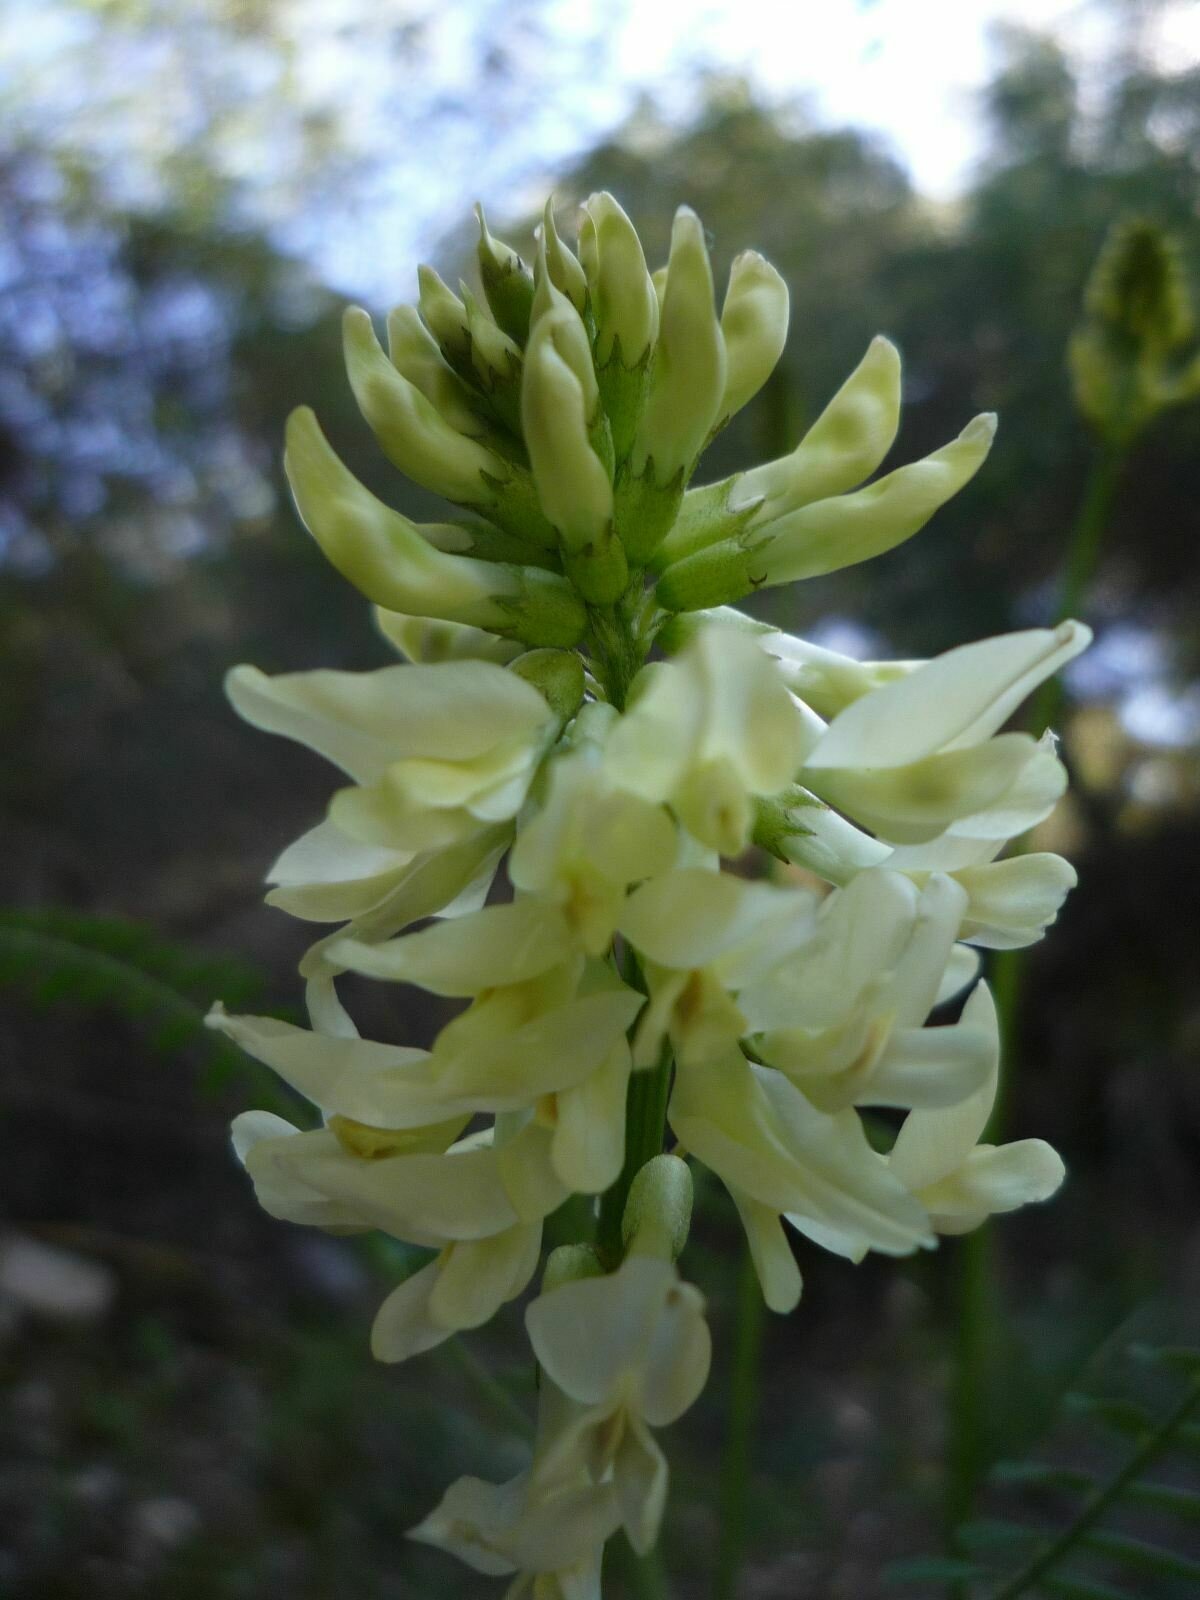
(843,447)
(477,1276)
(494,946)
(953,702)
(623,300)
(687,374)
(754,323)
(412,434)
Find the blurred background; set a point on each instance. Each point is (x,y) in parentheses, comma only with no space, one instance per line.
(190,191)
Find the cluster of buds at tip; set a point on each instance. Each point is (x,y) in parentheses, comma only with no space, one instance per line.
(538,821)
(1133,353)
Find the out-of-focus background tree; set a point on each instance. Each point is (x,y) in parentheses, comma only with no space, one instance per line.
(189,191)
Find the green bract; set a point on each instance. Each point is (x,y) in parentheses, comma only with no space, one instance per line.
(541,822)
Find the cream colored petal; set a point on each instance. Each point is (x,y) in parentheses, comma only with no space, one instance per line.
(376,814)
(931,1067)
(962,968)
(640,1478)
(477,1276)
(338,1074)
(426,640)
(953,702)
(914,803)
(1031,797)
(425,1199)
(463,956)
(689,917)
(827,844)
(449,883)
(712,803)
(760,1135)
(526,1166)
(778,1275)
(473,1522)
(933,1144)
(650,746)
(590,1333)
(362,721)
(1011,903)
(589,1125)
(827,535)
(751,718)
(381,552)
(861,934)
(346,717)
(992,1180)
(688,370)
(550,1052)
(403,1326)
(754,321)
(842,448)
(913,984)
(678,1361)
(324,855)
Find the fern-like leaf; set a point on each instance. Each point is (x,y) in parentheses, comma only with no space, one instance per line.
(1122,1530)
(57,956)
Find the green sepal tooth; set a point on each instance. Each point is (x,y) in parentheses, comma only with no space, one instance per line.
(622,394)
(486,543)
(517,511)
(644,511)
(702,520)
(507,282)
(721,575)
(601,440)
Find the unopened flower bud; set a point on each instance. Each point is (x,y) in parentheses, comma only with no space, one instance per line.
(754,322)
(385,556)
(568,1264)
(1138,288)
(623,299)
(1125,354)
(847,528)
(555,318)
(415,354)
(495,358)
(426,639)
(562,266)
(831,533)
(445,316)
(843,447)
(687,375)
(658,1212)
(572,483)
(507,282)
(412,435)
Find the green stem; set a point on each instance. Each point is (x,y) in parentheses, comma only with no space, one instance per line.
(1008,966)
(645,1126)
(739,1443)
(618,649)
(972,1386)
(494,1395)
(978,1306)
(1083,554)
(643,1575)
